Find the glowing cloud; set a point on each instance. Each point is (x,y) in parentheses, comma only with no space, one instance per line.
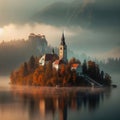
(15,32)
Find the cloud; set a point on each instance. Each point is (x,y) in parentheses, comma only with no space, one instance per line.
(92,43)
(63,13)
(113,53)
(78,39)
(92,26)
(16,32)
(87,14)
(20,11)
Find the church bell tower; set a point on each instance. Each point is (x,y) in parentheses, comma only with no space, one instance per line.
(63,49)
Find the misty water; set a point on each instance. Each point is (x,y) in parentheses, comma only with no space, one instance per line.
(37,103)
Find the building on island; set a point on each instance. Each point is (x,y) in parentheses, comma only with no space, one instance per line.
(63,50)
(77,67)
(46,58)
(58,60)
(62,54)
(57,63)
(38,41)
(54,58)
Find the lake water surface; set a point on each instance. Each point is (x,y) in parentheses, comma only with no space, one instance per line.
(36,103)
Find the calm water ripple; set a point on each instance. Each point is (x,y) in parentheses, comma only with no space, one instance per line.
(37,103)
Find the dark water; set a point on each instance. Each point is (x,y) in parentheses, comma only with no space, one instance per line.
(31,103)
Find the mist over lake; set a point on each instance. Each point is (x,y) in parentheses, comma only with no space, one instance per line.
(50,103)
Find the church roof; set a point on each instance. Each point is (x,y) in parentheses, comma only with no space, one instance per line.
(63,40)
(51,57)
(75,65)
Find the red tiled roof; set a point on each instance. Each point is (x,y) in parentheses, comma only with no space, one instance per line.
(75,65)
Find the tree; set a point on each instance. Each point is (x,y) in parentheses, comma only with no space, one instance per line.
(84,67)
(102,75)
(74,77)
(25,69)
(48,71)
(36,62)
(31,64)
(30,73)
(74,60)
(97,73)
(38,76)
(107,79)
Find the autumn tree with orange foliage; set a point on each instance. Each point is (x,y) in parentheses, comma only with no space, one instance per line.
(30,73)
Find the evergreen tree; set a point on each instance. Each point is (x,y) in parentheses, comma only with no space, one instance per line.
(25,69)
(31,64)
(102,75)
(84,67)
(97,73)
(107,79)
(48,71)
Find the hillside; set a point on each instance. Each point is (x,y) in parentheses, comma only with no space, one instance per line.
(14,52)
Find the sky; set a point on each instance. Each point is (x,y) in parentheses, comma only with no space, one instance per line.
(90,26)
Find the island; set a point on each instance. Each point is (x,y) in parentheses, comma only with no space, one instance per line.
(56,70)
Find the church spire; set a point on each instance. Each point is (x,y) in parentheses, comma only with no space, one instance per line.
(63,49)
(63,39)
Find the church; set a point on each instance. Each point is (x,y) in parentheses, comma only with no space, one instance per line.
(54,58)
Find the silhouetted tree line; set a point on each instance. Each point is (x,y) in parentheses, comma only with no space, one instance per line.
(93,71)
(30,73)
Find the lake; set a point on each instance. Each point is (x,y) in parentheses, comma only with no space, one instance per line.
(75,103)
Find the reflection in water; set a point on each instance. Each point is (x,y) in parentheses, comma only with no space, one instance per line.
(52,103)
